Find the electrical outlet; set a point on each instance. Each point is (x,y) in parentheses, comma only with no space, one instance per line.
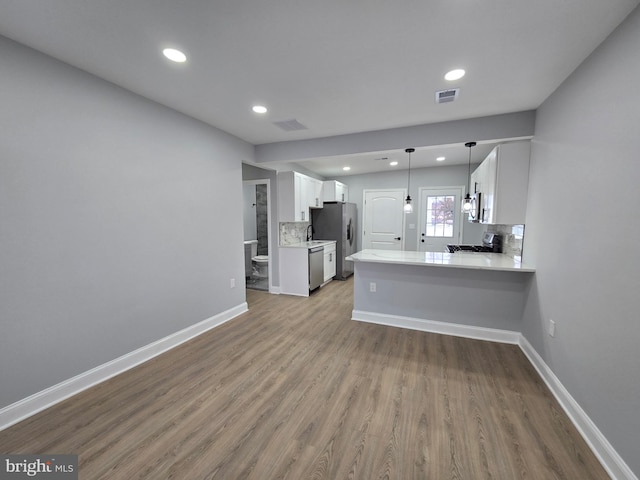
(552,328)
(232,283)
(372,287)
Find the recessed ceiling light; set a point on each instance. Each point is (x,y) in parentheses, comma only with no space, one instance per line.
(454,74)
(393,164)
(174,55)
(440,159)
(346,169)
(259,109)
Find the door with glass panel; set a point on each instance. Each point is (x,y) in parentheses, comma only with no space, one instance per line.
(440,218)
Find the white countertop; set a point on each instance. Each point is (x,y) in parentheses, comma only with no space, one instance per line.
(468,260)
(311,244)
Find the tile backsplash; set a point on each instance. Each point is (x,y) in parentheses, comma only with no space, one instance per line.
(513,238)
(293,232)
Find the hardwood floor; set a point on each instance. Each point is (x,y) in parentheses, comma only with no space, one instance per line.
(295,389)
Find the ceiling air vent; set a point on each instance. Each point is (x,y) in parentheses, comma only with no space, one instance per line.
(446,96)
(290,125)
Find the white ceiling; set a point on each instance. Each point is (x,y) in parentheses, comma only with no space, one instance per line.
(371,162)
(337,66)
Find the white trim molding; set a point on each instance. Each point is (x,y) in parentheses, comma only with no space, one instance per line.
(433,326)
(37,402)
(602,449)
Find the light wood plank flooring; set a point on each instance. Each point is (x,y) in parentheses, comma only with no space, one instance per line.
(295,389)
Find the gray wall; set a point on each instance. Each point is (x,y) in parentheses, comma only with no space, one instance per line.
(454,175)
(120,221)
(468,297)
(582,235)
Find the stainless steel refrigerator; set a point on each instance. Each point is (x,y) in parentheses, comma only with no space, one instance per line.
(337,221)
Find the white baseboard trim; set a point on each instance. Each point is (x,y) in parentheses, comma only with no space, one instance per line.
(433,326)
(602,449)
(37,402)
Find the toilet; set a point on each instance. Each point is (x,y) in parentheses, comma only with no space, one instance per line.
(261,265)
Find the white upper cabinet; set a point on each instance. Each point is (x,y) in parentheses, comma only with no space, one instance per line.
(314,190)
(503,181)
(296,193)
(335,191)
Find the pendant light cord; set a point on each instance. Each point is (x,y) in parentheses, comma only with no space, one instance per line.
(409,176)
(409,151)
(469,173)
(469,145)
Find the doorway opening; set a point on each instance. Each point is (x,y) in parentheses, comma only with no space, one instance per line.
(257,230)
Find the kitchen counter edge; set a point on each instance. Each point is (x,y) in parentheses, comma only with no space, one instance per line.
(473,261)
(311,244)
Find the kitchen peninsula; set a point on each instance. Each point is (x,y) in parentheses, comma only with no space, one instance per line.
(479,295)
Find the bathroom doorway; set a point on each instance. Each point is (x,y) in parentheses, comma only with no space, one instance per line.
(257,231)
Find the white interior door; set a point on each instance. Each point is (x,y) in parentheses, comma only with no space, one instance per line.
(440,218)
(383,219)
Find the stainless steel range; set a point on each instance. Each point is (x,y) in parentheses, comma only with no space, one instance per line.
(491,242)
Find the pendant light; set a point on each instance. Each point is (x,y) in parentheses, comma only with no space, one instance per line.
(408,208)
(466,206)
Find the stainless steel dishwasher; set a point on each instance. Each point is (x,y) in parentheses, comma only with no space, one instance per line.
(316,267)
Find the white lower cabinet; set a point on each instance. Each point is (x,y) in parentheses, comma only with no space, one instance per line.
(294,271)
(329,262)
(294,268)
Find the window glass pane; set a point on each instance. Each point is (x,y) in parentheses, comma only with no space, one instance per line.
(440,216)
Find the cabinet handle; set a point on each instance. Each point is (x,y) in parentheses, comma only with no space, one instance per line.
(303,215)
(398,238)
(331,257)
